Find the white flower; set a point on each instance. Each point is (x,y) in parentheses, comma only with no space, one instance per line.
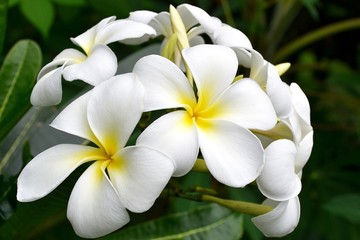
(296,127)
(278,180)
(285,158)
(300,125)
(216,119)
(196,22)
(282,220)
(96,64)
(120,177)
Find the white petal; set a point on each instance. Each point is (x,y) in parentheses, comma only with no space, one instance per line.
(47,90)
(299,127)
(67,56)
(278,92)
(86,40)
(300,102)
(244,57)
(48,169)
(303,151)
(282,220)
(231,37)
(175,135)
(278,180)
(70,54)
(196,40)
(73,119)
(143,16)
(114,109)
(100,65)
(233,155)
(257,64)
(165,85)
(162,24)
(213,67)
(245,104)
(192,15)
(139,175)
(125,31)
(94,208)
(195,32)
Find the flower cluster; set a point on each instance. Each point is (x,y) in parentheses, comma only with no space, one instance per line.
(245,129)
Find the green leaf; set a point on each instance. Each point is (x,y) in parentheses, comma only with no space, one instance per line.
(40,13)
(346,206)
(12,158)
(3,16)
(17,77)
(13,3)
(205,222)
(34,219)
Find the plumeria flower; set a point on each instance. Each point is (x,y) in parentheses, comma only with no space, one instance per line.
(300,125)
(282,220)
(216,119)
(296,127)
(285,158)
(278,180)
(119,178)
(195,22)
(96,64)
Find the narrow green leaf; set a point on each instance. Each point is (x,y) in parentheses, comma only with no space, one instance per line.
(346,206)
(17,77)
(3,16)
(40,13)
(209,222)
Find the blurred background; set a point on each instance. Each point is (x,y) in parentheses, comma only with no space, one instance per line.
(321,39)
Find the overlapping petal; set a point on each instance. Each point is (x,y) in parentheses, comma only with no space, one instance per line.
(174,134)
(126,31)
(86,40)
(282,220)
(213,67)
(48,169)
(278,180)
(268,78)
(143,16)
(114,109)
(165,84)
(66,56)
(192,15)
(94,207)
(139,175)
(233,155)
(100,65)
(245,104)
(304,149)
(278,92)
(73,119)
(162,24)
(231,37)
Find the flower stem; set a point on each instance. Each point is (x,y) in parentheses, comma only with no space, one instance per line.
(238,206)
(200,194)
